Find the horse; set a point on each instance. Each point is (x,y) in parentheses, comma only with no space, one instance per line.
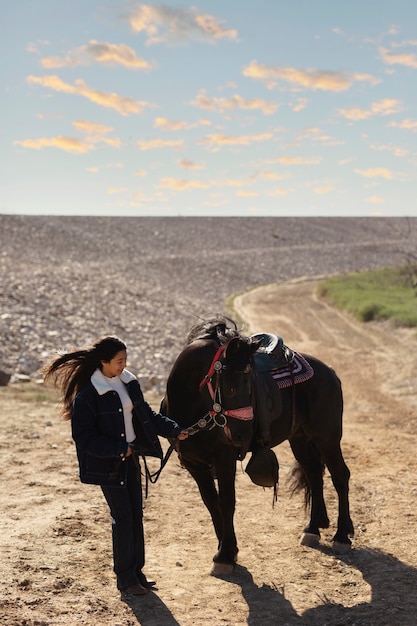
(213,390)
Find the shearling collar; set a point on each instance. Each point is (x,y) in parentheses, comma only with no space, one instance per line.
(101,385)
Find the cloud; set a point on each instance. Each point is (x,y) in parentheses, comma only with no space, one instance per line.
(306,78)
(68,144)
(397,151)
(153,144)
(99,52)
(279,191)
(375,200)
(376,172)
(123,105)
(405,125)
(246,194)
(313,133)
(388,106)
(288,160)
(231,182)
(323,189)
(162,23)
(96,133)
(93,134)
(235,102)
(408,60)
(176,184)
(216,141)
(271,176)
(300,105)
(116,190)
(186,164)
(165,124)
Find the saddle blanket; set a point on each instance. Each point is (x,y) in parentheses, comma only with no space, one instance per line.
(298,371)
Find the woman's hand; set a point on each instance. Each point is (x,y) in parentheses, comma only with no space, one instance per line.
(183,435)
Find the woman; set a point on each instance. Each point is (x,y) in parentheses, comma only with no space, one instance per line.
(112,425)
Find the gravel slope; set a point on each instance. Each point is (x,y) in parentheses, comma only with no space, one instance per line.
(65,281)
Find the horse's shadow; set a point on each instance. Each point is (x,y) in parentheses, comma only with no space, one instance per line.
(393,598)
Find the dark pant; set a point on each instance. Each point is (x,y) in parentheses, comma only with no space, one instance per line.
(127,527)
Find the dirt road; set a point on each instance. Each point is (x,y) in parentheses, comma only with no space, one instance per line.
(55,533)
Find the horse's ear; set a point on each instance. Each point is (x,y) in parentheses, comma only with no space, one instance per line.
(232,347)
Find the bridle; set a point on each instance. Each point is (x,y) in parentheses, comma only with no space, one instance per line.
(217,416)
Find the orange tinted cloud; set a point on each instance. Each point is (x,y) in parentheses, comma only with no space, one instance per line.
(287,160)
(323,189)
(68,144)
(388,106)
(186,164)
(235,102)
(376,172)
(306,79)
(214,141)
(406,125)
(93,134)
(176,184)
(99,52)
(375,200)
(123,105)
(408,60)
(96,133)
(165,124)
(153,144)
(163,23)
(246,194)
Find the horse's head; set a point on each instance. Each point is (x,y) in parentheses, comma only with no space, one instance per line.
(229,383)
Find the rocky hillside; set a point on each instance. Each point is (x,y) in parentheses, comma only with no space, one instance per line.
(65,281)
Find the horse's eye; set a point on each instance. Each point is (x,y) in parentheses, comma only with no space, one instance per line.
(247,369)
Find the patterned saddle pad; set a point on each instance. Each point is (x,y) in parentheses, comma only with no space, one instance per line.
(298,371)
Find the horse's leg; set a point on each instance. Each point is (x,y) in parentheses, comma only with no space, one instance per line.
(311,480)
(226,556)
(221,506)
(210,497)
(340,475)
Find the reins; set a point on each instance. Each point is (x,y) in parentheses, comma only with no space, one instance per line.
(149,477)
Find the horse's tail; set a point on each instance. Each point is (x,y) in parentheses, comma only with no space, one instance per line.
(298,481)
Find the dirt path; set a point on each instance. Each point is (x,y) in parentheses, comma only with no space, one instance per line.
(55,533)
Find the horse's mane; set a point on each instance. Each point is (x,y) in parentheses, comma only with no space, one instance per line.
(220,328)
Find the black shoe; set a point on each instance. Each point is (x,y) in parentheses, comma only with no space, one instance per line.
(147,584)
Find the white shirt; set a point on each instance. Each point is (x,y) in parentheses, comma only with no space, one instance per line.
(116,384)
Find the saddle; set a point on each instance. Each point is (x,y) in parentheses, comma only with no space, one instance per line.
(272,353)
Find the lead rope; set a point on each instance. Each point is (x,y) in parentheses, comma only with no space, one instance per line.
(149,477)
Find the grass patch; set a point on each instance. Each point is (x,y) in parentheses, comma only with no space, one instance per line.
(385,294)
(30,392)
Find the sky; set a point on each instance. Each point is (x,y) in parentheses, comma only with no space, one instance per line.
(222,107)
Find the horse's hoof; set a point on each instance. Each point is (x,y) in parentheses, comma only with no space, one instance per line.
(222,569)
(341,548)
(309,539)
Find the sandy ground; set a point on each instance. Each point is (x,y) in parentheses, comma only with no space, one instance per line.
(56,537)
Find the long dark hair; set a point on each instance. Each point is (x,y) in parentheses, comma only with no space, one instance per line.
(72,371)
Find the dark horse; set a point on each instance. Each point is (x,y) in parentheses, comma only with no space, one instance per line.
(211,391)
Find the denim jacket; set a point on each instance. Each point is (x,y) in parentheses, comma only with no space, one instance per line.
(98,429)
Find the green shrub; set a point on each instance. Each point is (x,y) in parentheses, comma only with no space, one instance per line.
(374,295)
